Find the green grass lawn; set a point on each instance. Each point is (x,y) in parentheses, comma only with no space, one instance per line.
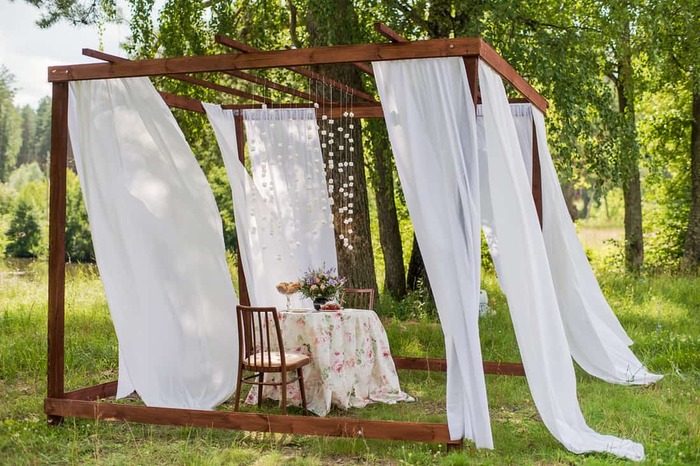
(661,314)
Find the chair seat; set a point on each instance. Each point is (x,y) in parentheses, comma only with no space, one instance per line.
(260,360)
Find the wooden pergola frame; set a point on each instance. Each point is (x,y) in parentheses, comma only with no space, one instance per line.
(89,402)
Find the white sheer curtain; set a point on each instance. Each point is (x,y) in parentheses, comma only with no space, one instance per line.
(596,339)
(159,245)
(528,281)
(432,127)
(288,171)
(266,255)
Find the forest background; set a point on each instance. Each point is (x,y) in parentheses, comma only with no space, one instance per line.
(624,119)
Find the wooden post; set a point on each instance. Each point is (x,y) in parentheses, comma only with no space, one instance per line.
(536,175)
(57,243)
(472,66)
(243,296)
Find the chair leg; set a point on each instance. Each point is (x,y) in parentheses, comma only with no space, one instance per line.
(261,379)
(283,397)
(300,374)
(239,382)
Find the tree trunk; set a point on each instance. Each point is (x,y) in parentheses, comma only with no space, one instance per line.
(334,23)
(389,233)
(631,183)
(417,274)
(691,254)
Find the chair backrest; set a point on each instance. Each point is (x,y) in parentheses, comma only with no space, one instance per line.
(357,298)
(258,327)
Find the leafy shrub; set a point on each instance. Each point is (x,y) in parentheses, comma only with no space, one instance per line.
(24,235)
(78,238)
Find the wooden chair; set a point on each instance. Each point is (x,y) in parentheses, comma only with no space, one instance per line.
(356,298)
(257,328)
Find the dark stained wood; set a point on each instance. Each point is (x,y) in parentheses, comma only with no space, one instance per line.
(182,102)
(502,67)
(360,111)
(245,48)
(184,78)
(471,64)
(389,33)
(364,67)
(57,243)
(272,85)
(101,391)
(273,59)
(536,176)
(300,425)
(440,365)
(243,295)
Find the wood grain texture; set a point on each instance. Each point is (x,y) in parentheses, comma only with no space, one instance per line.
(440,365)
(273,59)
(183,78)
(97,392)
(507,72)
(57,239)
(536,176)
(243,295)
(300,425)
(389,33)
(245,48)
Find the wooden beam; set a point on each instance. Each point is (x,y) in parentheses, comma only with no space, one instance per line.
(243,295)
(57,243)
(536,175)
(507,72)
(471,64)
(245,48)
(440,365)
(283,424)
(178,77)
(97,392)
(389,33)
(364,67)
(360,111)
(182,102)
(272,85)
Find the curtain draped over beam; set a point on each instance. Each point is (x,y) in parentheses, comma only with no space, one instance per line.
(527,280)
(597,341)
(432,128)
(288,171)
(283,212)
(427,106)
(159,245)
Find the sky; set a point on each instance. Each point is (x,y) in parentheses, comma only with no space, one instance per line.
(28,51)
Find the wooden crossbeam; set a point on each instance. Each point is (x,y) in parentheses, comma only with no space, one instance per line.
(180,77)
(389,33)
(284,424)
(272,85)
(245,48)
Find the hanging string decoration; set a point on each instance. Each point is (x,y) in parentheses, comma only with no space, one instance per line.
(337,130)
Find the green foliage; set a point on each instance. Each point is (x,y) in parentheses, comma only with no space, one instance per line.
(78,238)
(24,235)
(10,125)
(660,314)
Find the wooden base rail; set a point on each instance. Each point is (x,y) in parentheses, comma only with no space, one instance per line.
(440,365)
(97,392)
(281,424)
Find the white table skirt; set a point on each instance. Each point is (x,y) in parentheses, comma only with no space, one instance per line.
(351,364)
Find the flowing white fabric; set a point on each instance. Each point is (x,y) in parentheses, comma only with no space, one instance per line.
(266,255)
(159,245)
(432,127)
(288,171)
(597,341)
(528,281)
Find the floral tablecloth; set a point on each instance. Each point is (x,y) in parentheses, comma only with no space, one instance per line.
(351,364)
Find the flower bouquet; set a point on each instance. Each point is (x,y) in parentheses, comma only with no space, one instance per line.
(321,285)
